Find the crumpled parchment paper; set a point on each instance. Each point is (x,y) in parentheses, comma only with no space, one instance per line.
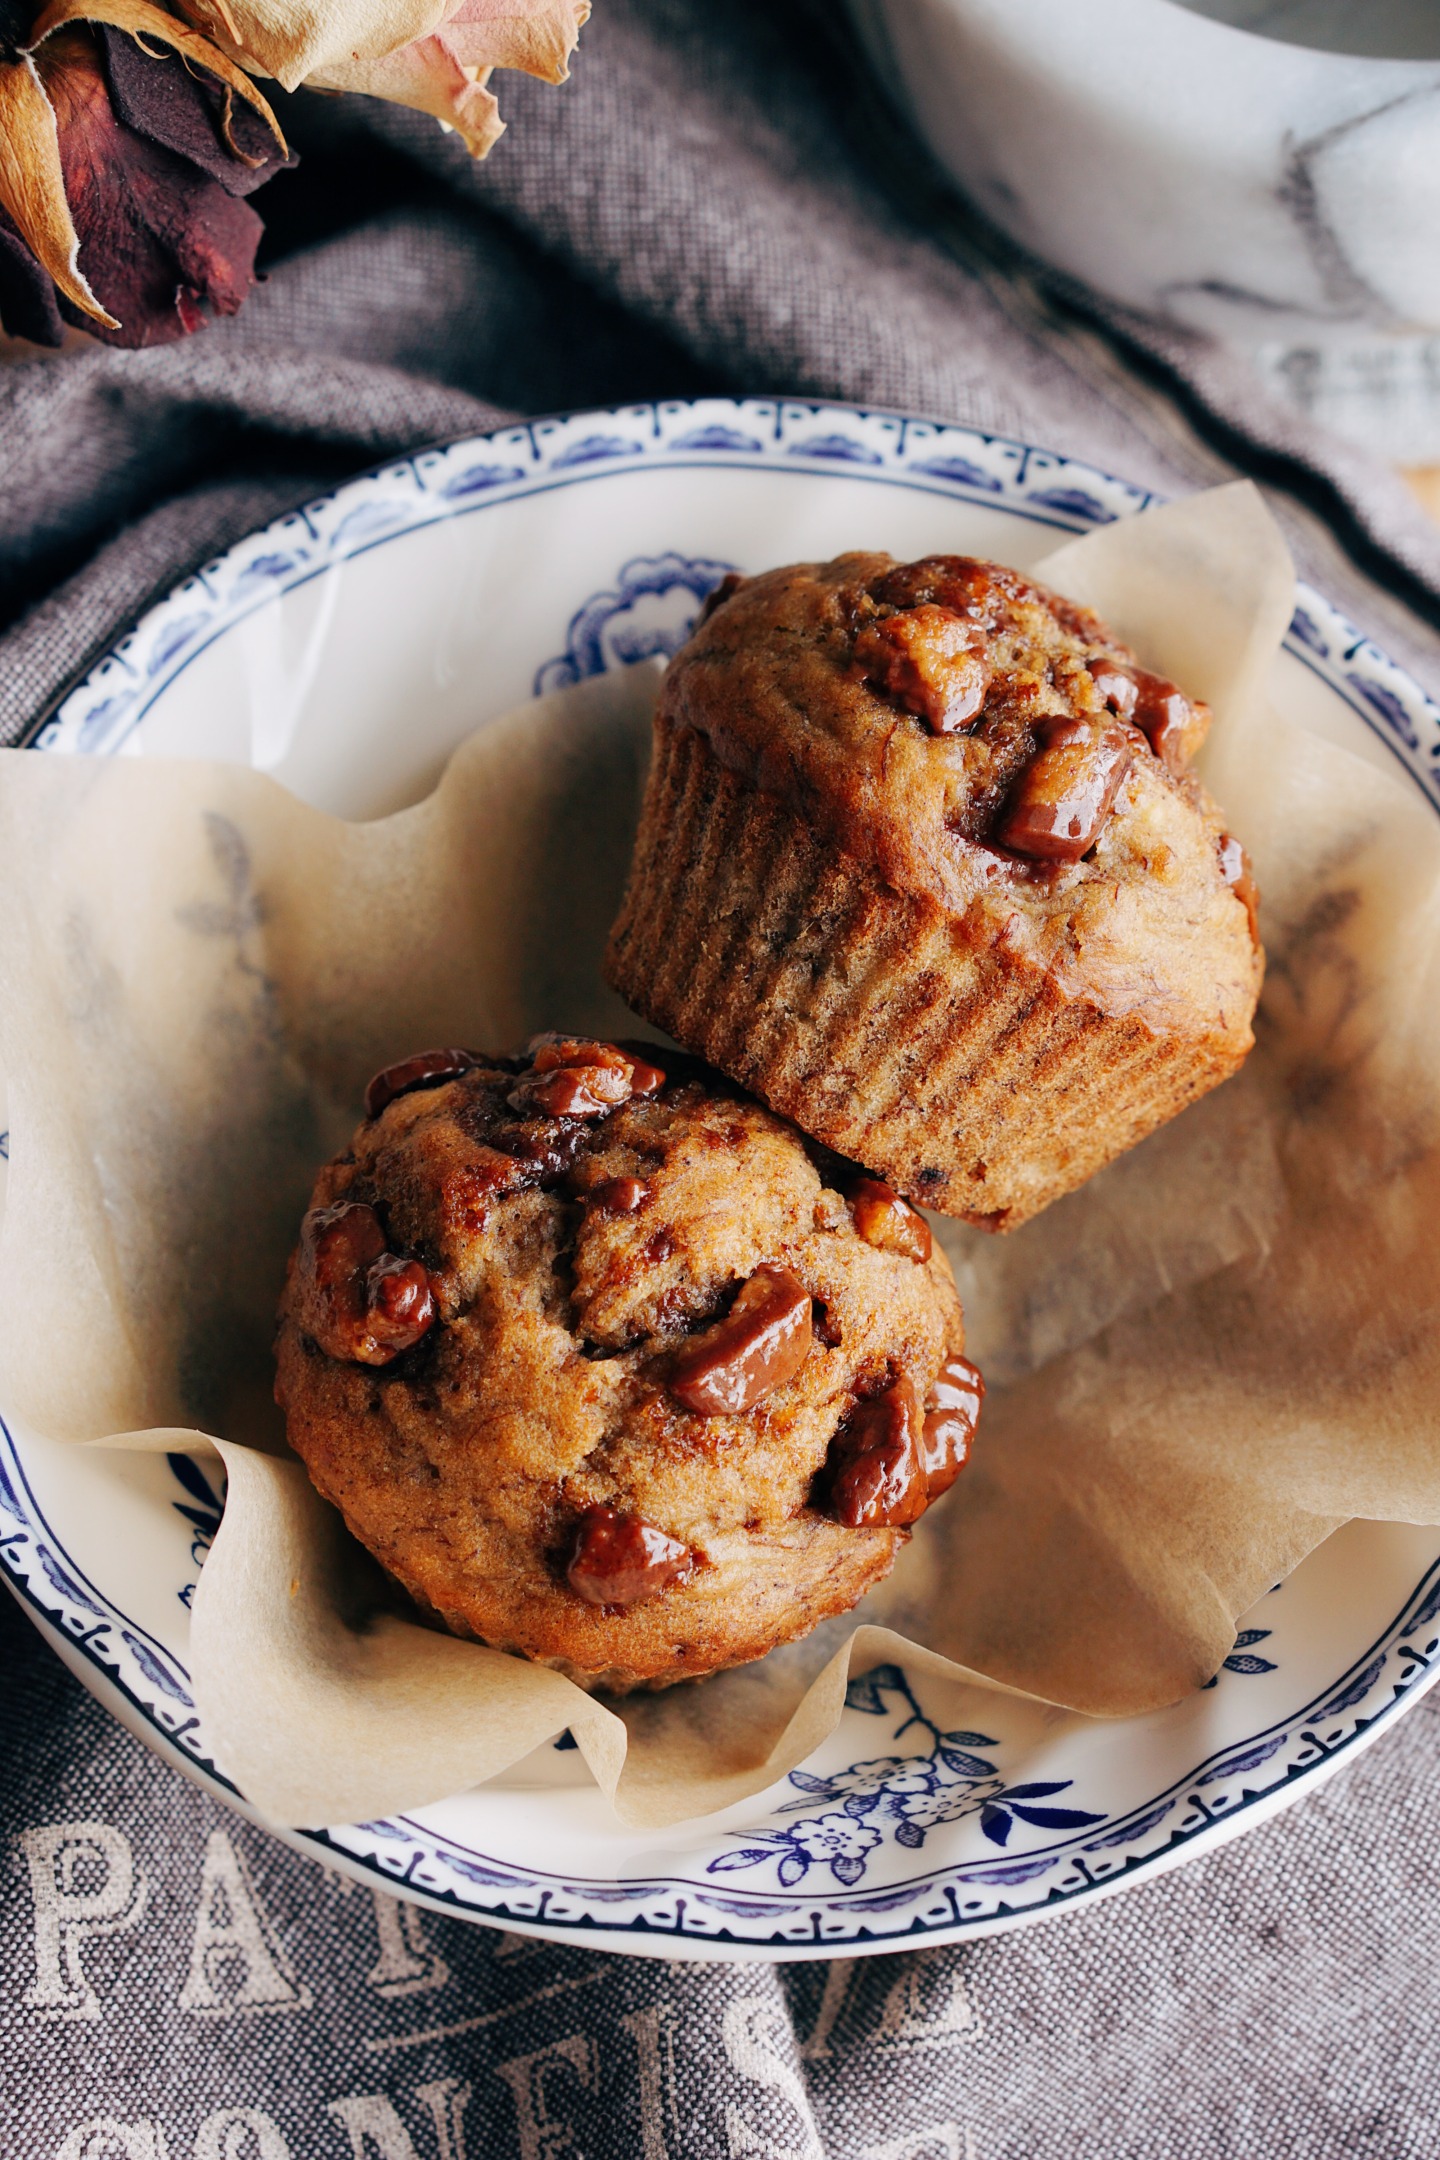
(1200,1364)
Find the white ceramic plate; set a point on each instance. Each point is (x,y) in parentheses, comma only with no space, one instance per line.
(348,649)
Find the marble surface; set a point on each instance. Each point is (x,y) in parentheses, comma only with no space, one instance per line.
(1380,29)
(1378,389)
(1239,183)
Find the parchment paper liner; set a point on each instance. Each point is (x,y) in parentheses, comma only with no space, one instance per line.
(1200,1364)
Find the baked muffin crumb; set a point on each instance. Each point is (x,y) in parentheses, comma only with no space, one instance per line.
(630,1436)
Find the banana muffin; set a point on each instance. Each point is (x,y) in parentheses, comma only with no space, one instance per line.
(610,1367)
(923,864)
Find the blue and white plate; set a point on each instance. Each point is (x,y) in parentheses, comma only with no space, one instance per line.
(348,649)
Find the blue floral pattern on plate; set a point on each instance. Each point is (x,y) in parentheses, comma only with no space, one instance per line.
(646,615)
(904,1795)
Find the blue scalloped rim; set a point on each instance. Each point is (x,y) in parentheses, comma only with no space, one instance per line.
(468,477)
(463,479)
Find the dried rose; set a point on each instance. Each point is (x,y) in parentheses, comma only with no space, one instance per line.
(141,155)
(435,56)
(111,142)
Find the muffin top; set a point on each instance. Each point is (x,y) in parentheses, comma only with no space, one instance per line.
(992,746)
(608,1365)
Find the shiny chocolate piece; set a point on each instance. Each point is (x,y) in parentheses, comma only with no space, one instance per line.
(359,1302)
(646,1079)
(619,1195)
(877,1463)
(1170,723)
(761,1343)
(1116,684)
(1173,727)
(887,1222)
(401,1307)
(428,1068)
(571,1076)
(961,583)
(952,1411)
(1063,797)
(1238,875)
(553,1053)
(932,660)
(583,1091)
(618,1559)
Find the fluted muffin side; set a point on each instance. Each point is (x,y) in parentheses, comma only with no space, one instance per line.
(895,1032)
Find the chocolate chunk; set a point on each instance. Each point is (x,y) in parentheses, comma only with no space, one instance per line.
(401,1306)
(1173,727)
(760,1344)
(571,1076)
(428,1068)
(618,1559)
(549,1053)
(961,583)
(572,1091)
(887,1222)
(1170,723)
(1063,797)
(952,1411)
(1116,684)
(356,1300)
(619,1195)
(1238,875)
(877,1462)
(932,660)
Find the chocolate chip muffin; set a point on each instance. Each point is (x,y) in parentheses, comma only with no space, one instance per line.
(610,1367)
(923,864)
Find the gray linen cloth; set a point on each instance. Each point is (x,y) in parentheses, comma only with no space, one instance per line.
(717,201)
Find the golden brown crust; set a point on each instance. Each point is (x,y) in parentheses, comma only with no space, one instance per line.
(820,903)
(541,1391)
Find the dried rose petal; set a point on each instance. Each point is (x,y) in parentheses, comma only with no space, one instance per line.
(159,237)
(135,155)
(430,76)
(161,96)
(404,55)
(28,306)
(32,184)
